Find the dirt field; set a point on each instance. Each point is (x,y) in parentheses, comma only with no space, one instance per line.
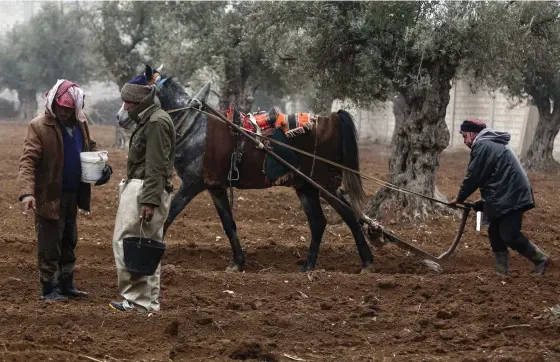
(402,312)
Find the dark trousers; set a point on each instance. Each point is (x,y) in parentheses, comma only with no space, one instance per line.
(506,231)
(57,240)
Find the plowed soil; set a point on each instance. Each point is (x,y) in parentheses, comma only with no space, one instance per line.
(402,312)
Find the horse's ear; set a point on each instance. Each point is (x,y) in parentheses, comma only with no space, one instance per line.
(159,69)
(148,72)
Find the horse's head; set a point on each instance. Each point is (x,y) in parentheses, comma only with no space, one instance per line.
(169,94)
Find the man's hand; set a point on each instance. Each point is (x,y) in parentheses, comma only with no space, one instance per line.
(147,212)
(478,205)
(28,203)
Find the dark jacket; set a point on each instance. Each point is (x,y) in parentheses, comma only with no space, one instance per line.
(151,156)
(40,165)
(494,168)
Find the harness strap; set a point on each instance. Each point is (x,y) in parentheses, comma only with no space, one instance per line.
(160,82)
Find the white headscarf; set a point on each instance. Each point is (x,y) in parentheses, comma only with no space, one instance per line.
(77,94)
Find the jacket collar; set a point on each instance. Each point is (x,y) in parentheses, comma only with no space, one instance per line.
(49,121)
(144,116)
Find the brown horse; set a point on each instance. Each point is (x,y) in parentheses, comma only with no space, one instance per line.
(203,158)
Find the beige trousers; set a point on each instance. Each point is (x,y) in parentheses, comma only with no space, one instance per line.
(140,291)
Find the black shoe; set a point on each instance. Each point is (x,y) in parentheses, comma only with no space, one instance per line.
(66,287)
(72,292)
(540,266)
(539,259)
(49,293)
(502,262)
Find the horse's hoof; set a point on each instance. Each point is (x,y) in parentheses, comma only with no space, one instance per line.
(305,268)
(234,268)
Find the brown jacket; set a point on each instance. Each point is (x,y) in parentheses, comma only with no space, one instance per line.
(40,165)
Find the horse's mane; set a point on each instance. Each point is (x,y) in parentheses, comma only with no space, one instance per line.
(172,95)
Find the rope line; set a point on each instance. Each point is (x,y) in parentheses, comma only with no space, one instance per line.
(365,177)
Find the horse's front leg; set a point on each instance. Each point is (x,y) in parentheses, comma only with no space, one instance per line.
(181,200)
(309,198)
(221,201)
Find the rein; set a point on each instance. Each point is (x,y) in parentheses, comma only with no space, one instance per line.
(315,157)
(430,260)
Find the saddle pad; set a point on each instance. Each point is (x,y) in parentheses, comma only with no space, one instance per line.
(291,124)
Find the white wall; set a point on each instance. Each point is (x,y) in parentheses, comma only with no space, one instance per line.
(376,124)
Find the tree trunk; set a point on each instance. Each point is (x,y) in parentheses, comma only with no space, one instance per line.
(419,137)
(27,104)
(230,87)
(236,89)
(539,155)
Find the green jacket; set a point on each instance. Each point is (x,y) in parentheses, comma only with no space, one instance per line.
(152,154)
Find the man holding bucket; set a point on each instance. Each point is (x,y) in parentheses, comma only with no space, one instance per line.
(144,197)
(506,193)
(50,183)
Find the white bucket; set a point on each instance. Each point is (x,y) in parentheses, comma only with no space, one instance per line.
(93,164)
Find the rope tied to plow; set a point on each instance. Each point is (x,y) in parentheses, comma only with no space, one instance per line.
(315,157)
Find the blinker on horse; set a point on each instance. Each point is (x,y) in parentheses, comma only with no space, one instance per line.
(204,155)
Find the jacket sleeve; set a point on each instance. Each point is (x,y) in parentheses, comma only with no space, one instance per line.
(93,145)
(158,147)
(481,164)
(30,158)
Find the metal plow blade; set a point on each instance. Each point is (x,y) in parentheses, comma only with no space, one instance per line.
(378,236)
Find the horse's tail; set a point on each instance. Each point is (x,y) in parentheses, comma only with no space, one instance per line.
(350,158)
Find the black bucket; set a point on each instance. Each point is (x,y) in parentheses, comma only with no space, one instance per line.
(142,255)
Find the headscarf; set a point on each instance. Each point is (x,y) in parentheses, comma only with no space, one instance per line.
(66,94)
(470,130)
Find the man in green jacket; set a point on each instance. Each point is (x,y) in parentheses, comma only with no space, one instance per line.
(145,195)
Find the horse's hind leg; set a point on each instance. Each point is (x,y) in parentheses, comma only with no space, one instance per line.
(221,201)
(181,200)
(352,221)
(309,198)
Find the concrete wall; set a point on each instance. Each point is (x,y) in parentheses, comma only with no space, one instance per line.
(376,124)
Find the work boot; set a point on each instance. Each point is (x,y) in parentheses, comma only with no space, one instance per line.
(502,262)
(50,294)
(540,259)
(66,288)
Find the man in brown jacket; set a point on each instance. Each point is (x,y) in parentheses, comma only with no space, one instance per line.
(50,182)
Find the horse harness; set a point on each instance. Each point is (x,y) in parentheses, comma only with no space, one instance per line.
(237,154)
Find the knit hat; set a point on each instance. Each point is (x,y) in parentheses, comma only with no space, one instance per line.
(473,125)
(136,90)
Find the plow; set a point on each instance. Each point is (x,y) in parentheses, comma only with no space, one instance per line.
(374,231)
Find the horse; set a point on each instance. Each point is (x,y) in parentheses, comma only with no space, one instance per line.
(202,160)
